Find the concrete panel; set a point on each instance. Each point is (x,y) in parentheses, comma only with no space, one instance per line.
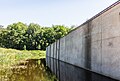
(48,49)
(111,57)
(96,29)
(55,50)
(48,55)
(69,47)
(77,46)
(51,50)
(53,57)
(62,49)
(96,56)
(111,23)
(96,25)
(58,49)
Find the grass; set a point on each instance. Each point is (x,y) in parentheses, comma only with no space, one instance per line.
(9,57)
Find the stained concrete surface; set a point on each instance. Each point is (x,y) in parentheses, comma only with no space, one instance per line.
(95,45)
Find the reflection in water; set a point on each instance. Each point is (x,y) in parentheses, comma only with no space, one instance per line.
(68,72)
(32,70)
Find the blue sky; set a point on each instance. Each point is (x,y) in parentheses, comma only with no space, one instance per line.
(48,12)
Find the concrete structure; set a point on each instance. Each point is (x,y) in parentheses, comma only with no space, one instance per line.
(94,45)
(68,72)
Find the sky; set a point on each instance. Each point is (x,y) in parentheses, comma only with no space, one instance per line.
(50,12)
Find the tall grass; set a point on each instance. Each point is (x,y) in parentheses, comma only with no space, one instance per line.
(9,57)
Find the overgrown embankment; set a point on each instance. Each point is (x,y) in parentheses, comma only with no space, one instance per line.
(10,57)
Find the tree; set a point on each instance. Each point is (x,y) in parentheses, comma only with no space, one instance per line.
(60,31)
(31,37)
(16,32)
(32,31)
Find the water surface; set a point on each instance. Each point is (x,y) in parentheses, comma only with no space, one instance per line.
(30,70)
(68,72)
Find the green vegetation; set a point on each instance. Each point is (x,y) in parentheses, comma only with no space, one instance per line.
(20,42)
(9,57)
(30,37)
(16,65)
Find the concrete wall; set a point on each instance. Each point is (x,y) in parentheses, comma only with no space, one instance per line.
(68,72)
(94,45)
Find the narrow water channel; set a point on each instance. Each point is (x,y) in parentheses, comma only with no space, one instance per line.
(36,70)
(31,70)
(68,72)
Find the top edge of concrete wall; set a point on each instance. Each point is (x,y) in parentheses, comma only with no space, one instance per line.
(100,13)
(97,15)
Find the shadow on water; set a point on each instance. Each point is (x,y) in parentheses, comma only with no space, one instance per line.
(68,72)
(30,70)
(36,70)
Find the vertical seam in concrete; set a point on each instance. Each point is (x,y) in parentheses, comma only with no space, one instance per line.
(59,50)
(50,57)
(53,57)
(59,58)
(88,46)
(56,56)
(101,45)
(90,27)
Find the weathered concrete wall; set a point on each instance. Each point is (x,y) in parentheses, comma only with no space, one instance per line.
(95,45)
(68,72)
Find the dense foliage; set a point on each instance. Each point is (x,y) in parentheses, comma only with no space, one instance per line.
(30,37)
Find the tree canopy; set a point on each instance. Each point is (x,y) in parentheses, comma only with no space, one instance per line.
(31,37)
